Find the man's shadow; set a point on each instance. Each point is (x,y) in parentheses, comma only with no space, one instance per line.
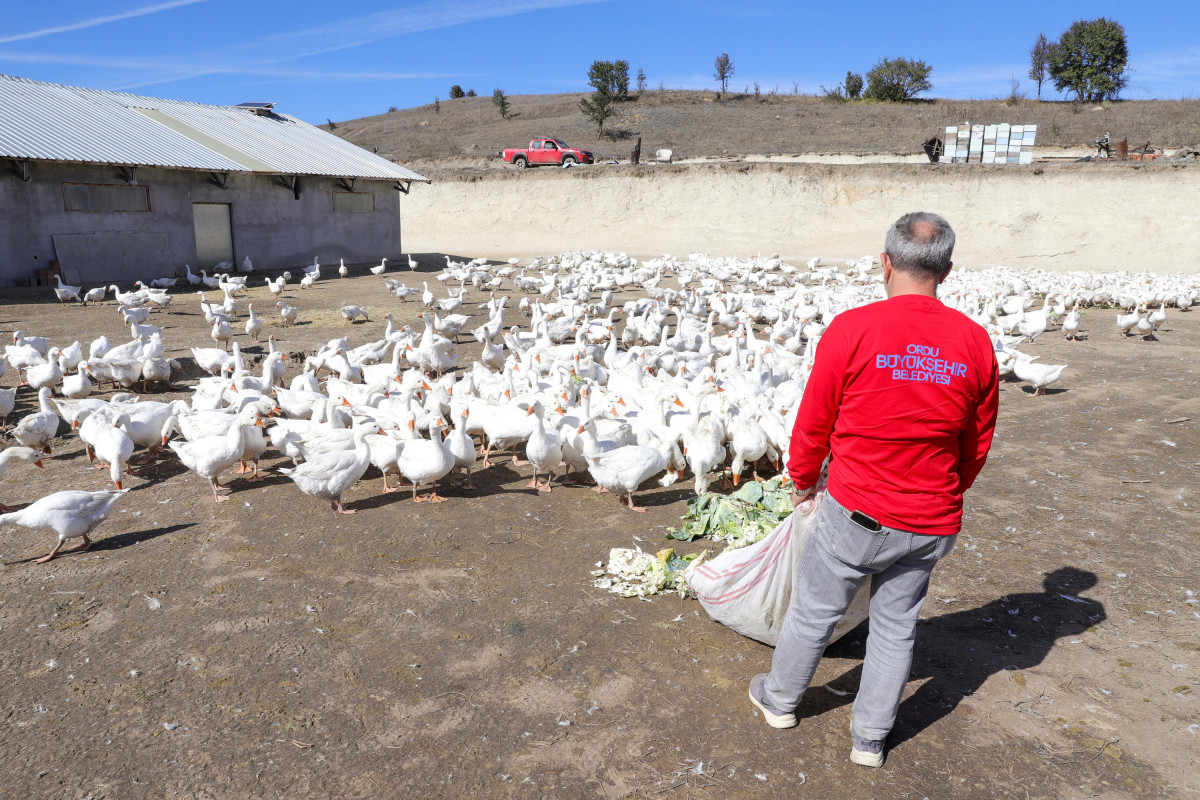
(958,652)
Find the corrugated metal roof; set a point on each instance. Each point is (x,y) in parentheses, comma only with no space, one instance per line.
(51,122)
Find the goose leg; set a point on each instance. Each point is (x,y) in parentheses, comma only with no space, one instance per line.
(387,488)
(341,509)
(416,499)
(533,482)
(632,507)
(468,484)
(434,497)
(220,498)
(51,554)
(255,478)
(242,468)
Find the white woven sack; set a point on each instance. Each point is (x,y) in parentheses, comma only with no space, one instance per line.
(749,589)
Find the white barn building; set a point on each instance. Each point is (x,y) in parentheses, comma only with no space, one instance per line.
(119,187)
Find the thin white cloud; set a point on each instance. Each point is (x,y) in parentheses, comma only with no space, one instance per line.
(95,21)
(266,72)
(246,58)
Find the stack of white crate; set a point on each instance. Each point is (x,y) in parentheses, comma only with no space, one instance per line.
(950,144)
(975,151)
(989,144)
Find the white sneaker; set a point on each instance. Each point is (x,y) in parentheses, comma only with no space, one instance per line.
(776,719)
(865,752)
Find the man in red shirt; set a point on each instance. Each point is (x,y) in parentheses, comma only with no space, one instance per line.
(903,397)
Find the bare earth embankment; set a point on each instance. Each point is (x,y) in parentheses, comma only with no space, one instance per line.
(463,136)
(1095,217)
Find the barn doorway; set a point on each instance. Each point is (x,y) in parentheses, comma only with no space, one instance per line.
(214,234)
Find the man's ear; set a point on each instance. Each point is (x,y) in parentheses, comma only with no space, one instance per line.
(887,266)
(946,274)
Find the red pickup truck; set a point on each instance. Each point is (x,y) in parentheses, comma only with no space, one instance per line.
(545,150)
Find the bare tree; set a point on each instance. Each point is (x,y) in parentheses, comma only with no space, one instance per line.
(724,71)
(1039,62)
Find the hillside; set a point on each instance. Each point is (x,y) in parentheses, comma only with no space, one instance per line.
(463,134)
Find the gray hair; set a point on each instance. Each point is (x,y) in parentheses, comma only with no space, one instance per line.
(920,243)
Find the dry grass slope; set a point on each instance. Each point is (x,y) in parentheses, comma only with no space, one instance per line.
(695,123)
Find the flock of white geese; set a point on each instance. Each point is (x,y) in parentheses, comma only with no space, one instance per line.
(700,371)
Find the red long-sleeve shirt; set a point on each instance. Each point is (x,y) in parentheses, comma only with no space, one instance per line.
(904,393)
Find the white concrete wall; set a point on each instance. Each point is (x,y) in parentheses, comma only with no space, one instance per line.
(269,225)
(1060,217)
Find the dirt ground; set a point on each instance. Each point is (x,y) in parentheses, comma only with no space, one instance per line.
(268,648)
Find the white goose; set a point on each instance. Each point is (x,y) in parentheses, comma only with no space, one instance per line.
(94,296)
(209,457)
(1040,375)
(71,356)
(39,343)
(385,453)
(66,292)
(79,385)
(624,469)
(543,449)
(211,359)
(45,375)
(70,514)
(8,400)
(114,447)
(703,451)
(37,430)
(221,332)
(329,475)
(425,461)
(288,313)
(253,325)
(748,442)
(463,448)
(17,454)
(434,353)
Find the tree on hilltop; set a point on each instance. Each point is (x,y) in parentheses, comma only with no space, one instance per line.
(897,79)
(1090,60)
(597,108)
(853,85)
(456,92)
(724,71)
(1039,62)
(501,101)
(610,78)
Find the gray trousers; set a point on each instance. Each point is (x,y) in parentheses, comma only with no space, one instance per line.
(838,556)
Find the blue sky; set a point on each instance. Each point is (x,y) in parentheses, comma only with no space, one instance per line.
(352,59)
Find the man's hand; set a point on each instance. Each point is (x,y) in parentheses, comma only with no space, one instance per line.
(800,495)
